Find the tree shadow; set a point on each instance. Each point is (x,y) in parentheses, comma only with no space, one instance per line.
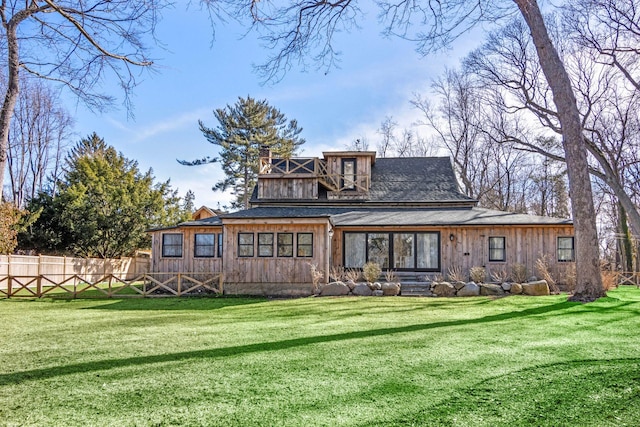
(216,353)
(175,303)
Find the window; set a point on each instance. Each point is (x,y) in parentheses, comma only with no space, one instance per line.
(566,251)
(265,244)
(305,245)
(497,249)
(285,244)
(245,244)
(204,245)
(355,250)
(404,250)
(428,251)
(172,245)
(220,243)
(400,251)
(349,174)
(378,248)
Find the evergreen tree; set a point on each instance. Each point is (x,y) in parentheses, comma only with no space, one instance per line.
(104,205)
(242,130)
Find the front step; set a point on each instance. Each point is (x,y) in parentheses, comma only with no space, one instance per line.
(415,289)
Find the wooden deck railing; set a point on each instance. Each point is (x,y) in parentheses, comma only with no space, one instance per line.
(627,278)
(110,285)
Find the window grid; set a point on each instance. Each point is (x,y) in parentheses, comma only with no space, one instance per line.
(204,245)
(497,249)
(245,245)
(285,245)
(305,245)
(566,249)
(172,245)
(265,244)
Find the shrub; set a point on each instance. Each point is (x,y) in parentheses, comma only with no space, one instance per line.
(455,274)
(477,274)
(336,273)
(499,275)
(570,277)
(316,275)
(371,271)
(390,276)
(542,268)
(519,272)
(351,274)
(608,280)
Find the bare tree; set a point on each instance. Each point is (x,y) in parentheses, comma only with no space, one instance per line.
(387,132)
(36,143)
(612,29)
(73,43)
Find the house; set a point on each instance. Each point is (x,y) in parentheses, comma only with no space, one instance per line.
(347,208)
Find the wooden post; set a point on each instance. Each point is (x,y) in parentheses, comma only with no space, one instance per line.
(179,283)
(9,279)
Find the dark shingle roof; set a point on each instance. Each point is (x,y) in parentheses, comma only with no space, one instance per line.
(415,179)
(399,216)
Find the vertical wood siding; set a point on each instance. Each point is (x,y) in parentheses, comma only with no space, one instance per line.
(187,263)
(273,269)
(470,246)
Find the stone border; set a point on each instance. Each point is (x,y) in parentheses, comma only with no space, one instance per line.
(436,289)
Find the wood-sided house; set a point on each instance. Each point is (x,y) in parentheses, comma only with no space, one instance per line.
(347,208)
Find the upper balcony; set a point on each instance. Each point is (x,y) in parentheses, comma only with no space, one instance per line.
(341,182)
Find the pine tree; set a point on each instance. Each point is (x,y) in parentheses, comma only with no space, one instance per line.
(242,130)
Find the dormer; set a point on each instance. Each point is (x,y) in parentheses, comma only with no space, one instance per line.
(348,174)
(340,175)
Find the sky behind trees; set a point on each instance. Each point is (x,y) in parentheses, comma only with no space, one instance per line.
(196,74)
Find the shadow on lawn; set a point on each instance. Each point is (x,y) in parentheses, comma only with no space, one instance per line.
(186,303)
(38,374)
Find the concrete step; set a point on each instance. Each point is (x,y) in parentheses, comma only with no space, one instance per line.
(415,289)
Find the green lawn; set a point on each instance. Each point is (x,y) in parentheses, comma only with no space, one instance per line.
(515,361)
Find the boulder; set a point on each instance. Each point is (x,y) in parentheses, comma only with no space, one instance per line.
(506,287)
(536,288)
(460,285)
(351,284)
(443,289)
(362,290)
(334,289)
(375,286)
(489,289)
(378,293)
(469,290)
(516,288)
(391,289)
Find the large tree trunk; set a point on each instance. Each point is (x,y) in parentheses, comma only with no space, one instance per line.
(10,98)
(588,280)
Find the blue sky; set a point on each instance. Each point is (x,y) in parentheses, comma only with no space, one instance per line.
(196,74)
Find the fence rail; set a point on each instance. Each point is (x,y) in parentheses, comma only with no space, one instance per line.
(627,278)
(111,285)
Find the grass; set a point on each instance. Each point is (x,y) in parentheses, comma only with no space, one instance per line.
(539,361)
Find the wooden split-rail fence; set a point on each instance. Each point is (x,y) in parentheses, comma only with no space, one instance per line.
(111,285)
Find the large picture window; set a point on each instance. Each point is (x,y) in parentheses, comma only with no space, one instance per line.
(172,245)
(305,245)
(285,245)
(204,245)
(497,249)
(566,251)
(400,251)
(245,244)
(265,244)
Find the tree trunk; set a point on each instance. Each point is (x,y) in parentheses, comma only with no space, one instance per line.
(10,98)
(626,243)
(588,280)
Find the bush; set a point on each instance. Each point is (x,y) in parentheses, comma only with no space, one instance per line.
(455,274)
(499,275)
(542,268)
(519,272)
(477,274)
(371,271)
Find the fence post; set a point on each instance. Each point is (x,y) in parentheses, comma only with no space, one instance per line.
(179,283)
(9,286)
